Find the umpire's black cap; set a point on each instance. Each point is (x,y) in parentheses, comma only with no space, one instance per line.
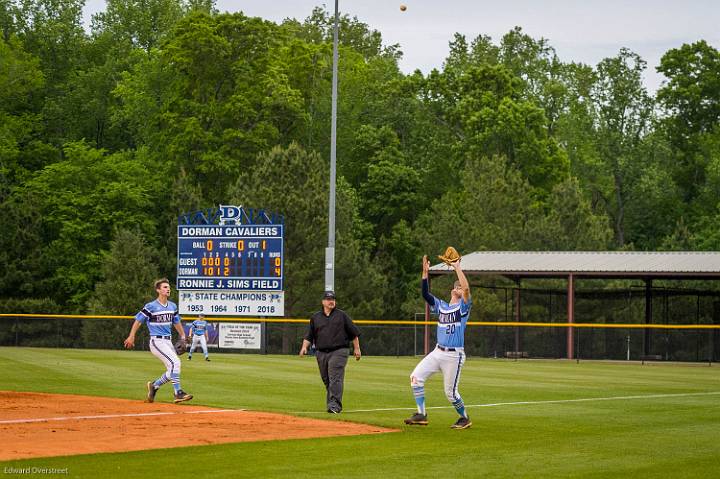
(329,295)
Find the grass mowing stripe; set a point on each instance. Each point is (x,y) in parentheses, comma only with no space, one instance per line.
(529,403)
(594,438)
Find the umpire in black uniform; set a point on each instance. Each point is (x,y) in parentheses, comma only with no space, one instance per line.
(331,330)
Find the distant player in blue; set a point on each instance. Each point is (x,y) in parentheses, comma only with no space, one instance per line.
(161,315)
(448,356)
(199,334)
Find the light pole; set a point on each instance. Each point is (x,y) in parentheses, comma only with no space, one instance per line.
(330,250)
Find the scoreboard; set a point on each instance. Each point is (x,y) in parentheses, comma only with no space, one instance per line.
(230,257)
(218,265)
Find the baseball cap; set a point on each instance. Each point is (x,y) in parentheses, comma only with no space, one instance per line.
(329,295)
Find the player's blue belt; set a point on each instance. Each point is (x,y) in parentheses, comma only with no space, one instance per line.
(161,337)
(443,348)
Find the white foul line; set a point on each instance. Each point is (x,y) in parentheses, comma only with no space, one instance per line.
(112,416)
(516,403)
(519,403)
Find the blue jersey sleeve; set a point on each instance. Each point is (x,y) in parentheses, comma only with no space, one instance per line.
(429,298)
(143,315)
(435,307)
(176,318)
(465,309)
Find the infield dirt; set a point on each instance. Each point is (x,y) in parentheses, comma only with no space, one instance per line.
(44,425)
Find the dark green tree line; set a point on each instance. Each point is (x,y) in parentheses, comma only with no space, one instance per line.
(169,106)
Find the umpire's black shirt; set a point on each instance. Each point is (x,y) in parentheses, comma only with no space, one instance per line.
(333,332)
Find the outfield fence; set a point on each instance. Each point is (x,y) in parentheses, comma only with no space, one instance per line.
(506,339)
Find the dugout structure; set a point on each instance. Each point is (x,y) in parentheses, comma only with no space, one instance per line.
(677,291)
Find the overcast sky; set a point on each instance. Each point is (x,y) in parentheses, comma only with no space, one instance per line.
(580,30)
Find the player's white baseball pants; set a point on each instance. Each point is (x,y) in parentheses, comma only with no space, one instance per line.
(450,363)
(164,350)
(201,341)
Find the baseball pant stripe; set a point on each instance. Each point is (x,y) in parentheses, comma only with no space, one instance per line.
(172,364)
(457,378)
(169,360)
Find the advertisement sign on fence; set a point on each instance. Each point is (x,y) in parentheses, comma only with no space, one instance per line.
(240,335)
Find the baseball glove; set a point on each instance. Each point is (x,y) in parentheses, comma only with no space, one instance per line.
(451,255)
(181,347)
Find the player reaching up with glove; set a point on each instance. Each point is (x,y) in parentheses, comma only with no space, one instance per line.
(159,316)
(448,356)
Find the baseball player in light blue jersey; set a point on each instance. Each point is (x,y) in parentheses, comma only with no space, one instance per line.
(161,315)
(199,334)
(448,356)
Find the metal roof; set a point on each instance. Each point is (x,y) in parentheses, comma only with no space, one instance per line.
(685,264)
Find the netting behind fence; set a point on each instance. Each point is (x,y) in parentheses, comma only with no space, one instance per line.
(406,339)
(543,333)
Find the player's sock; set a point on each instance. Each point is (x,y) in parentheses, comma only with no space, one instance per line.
(161,380)
(419,393)
(459,407)
(175,382)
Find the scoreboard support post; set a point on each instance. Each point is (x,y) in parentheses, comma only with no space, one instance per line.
(263,335)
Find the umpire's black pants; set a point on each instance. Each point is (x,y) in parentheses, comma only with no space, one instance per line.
(332,371)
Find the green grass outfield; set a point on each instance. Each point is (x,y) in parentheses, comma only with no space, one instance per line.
(607,419)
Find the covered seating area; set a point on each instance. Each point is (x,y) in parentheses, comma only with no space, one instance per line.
(519,267)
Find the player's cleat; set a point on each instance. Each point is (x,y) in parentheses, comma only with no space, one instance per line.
(151,392)
(333,411)
(207,359)
(181,396)
(417,419)
(189,358)
(462,423)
